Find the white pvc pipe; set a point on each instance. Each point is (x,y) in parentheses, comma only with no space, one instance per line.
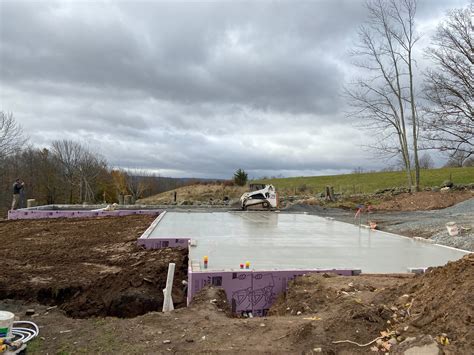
(168,301)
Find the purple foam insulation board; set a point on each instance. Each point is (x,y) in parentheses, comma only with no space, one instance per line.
(41,214)
(250,291)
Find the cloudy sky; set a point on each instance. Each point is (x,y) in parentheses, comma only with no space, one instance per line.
(191,88)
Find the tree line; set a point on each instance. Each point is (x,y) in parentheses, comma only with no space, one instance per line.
(408,111)
(67,172)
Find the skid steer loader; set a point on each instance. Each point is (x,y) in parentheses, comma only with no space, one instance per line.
(267,197)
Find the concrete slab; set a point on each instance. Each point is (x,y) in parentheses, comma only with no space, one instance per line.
(272,241)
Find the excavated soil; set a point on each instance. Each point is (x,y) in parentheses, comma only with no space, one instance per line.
(442,302)
(423,201)
(438,303)
(88,267)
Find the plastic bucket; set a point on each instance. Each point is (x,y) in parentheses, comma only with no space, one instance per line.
(6,324)
(452,228)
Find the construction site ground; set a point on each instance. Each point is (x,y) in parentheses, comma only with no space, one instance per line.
(94,291)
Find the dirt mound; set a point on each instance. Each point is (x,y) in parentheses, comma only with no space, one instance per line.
(341,307)
(211,298)
(298,299)
(423,201)
(442,302)
(88,267)
(404,308)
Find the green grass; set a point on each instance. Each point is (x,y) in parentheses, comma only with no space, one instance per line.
(369,182)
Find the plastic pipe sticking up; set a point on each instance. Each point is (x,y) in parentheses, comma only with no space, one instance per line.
(168,301)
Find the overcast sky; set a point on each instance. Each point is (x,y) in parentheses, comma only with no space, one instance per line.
(191,88)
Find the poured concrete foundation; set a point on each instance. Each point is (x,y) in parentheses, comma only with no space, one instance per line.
(280,247)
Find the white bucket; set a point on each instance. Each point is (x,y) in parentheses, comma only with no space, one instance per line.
(6,324)
(452,228)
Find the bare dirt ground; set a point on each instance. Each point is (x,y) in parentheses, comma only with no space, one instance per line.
(423,201)
(104,292)
(402,202)
(87,266)
(317,311)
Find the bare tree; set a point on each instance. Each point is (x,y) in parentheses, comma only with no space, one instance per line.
(383,98)
(69,155)
(11,135)
(449,116)
(426,162)
(138,182)
(458,160)
(89,168)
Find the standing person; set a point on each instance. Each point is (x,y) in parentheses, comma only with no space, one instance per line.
(17,189)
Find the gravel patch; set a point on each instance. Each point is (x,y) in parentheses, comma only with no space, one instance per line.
(463,241)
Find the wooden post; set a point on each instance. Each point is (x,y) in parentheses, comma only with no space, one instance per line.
(168,301)
(31,202)
(329,194)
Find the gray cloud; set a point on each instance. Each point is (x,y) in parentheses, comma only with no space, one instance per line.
(189,88)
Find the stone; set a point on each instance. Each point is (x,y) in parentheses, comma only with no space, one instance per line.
(30,312)
(167,341)
(428,349)
(447,183)
(420,345)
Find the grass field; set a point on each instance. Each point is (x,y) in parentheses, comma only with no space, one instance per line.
(370,182)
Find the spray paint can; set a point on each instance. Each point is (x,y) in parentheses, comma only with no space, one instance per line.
(247,264)
(206,261)
(241,266)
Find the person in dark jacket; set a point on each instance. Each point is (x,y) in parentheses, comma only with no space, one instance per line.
(17,190)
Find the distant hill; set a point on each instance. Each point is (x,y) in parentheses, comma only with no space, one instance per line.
(369,182)
(206,193)
(161,184)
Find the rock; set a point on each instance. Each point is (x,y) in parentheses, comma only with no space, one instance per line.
(167,341)
(447,183)
(30,312)
(421,345)
(189,340)
(445,189)
(429,349)
(318,350)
